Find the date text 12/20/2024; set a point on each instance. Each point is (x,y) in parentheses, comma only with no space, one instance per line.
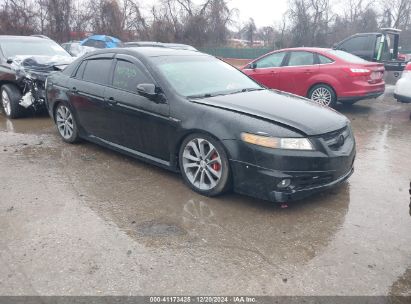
(205,299)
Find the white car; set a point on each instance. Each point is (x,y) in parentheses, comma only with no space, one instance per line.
(403,87)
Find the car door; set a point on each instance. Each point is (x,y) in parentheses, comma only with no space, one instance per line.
(267,69)
(299,69)
(87,92)
(145,125)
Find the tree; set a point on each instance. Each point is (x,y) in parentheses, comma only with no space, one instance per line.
(250,30)
(133,21)
(219,16)
(310,21)
(268,35)
(396,13)
(17,17)
(58,19)
(107,18)
(359,16)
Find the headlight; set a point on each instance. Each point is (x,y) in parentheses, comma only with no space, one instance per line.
(277,143)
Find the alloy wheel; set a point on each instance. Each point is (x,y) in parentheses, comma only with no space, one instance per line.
(6,102)
(202,164)
(64,120)
(322,96)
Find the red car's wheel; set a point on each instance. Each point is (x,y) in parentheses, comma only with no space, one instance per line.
(323,95)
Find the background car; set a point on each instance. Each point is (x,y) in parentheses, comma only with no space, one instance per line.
(403,87)
(323,75)
(75,49)
(190,112)
(25,63)
(179,46)
(143,43)
(101,42)
(381,47)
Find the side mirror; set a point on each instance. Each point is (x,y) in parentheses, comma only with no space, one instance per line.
(253,65)
(150,91)
(9,60)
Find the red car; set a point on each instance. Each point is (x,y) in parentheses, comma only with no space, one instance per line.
(323,75)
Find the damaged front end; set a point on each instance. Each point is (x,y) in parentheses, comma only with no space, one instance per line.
(31,74)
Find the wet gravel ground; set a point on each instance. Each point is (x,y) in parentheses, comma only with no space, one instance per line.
(82,220)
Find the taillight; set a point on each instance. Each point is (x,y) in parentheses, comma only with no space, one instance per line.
(355,72)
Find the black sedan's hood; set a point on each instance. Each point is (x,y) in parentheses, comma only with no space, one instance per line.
(293,111)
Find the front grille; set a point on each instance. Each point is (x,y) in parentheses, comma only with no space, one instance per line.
(335,140)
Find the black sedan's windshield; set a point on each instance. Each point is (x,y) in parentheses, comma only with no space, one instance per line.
(203,76)
(32,47)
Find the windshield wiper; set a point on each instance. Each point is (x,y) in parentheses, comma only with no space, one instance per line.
(207,95)
(247,90)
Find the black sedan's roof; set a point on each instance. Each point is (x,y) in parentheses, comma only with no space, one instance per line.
(145,52)
(156,51)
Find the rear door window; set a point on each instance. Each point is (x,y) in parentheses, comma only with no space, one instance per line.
(301,58)
(127,76)
(324,60)
(97,71)
(80,70)
(271,61)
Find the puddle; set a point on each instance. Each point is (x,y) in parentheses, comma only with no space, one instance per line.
(158,229)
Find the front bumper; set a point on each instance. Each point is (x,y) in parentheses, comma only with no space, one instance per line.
(258,171)
(402,88)
(262,183)
(401,98)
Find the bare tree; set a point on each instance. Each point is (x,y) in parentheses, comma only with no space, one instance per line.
(134,24)
(310,21)
(219,16)
(58,19)
(397,13)
(17,17)
(107,17)
(267,34)
(202,23)
(359,16)
(42,14)
(249,31)
(81,18)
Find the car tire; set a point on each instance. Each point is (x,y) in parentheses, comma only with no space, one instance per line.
(10,99)
(323,94)
(204,165)
(66,123)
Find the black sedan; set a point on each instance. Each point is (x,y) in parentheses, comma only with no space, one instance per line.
(190,112)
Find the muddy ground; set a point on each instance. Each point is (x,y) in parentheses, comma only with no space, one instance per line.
(82,220)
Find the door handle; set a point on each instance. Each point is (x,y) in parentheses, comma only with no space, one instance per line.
(74,90)
(111,101)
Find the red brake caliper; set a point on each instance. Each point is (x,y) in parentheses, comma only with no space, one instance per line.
(215,166)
